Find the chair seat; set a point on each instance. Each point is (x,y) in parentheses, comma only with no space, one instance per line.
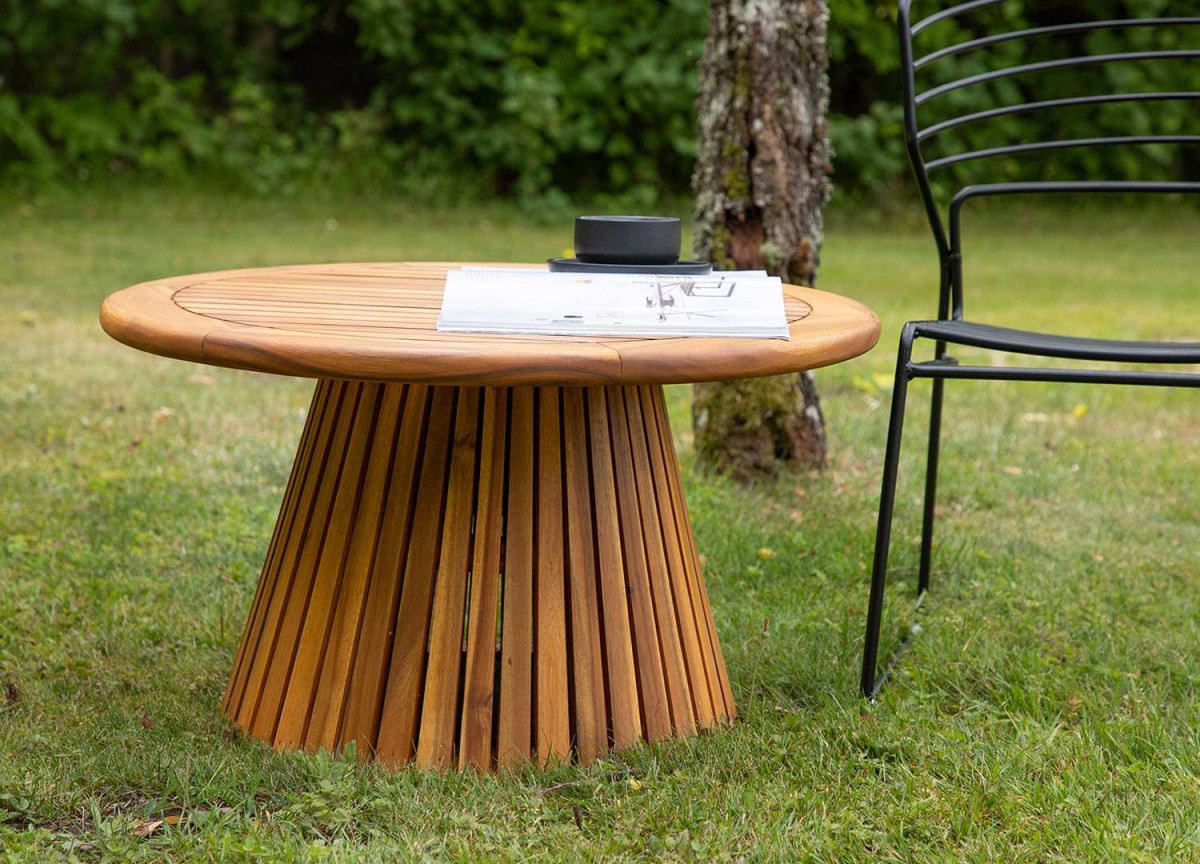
(1050,345)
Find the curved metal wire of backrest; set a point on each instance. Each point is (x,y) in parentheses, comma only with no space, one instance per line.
(948,232)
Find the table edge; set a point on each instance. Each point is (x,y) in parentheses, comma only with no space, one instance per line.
(145,317)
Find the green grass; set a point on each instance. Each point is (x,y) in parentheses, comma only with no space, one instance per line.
(1047,711)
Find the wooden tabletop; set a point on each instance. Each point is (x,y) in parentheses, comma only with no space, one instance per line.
(378,322)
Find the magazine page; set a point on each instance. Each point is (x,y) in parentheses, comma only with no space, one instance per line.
(745,304)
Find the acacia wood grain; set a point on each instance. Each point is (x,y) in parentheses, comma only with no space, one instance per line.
(397,738)
(514,739)
(584,608)
(553,717)
(363,700)
(378,322)
(652,691)
(479,574)
(480,578)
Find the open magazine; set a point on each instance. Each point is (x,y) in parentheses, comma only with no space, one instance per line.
(746,304)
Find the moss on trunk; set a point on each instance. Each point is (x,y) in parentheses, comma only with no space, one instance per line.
(761,181)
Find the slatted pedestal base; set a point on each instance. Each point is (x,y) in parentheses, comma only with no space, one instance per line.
(478,577)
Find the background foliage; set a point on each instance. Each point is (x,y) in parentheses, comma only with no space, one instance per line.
(532,97)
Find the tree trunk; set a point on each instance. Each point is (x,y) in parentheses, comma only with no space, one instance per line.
(761,180)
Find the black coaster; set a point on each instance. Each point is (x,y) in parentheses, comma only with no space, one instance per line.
(680,268)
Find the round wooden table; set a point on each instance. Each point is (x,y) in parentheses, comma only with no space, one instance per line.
(483,554)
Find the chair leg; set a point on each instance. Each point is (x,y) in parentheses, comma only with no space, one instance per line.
(887,501)
(931,478)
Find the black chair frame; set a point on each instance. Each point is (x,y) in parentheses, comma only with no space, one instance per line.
(951,327)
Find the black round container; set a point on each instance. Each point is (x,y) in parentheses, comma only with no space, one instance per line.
(627,239)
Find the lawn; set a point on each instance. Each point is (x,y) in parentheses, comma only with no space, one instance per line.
(1047,710)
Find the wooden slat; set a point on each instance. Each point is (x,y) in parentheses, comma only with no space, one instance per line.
(412,335)
(439,703)
(516,662)
(314,632)
(702,700)
(364,542)
(368,677)
(326,286)
(332,323)
(479,675)
(401,703)
(677,481)
(280,538)
(690,563)
(591,738)
(553,654)
(618,639)
(263,659)
(288,637)
(670,642)
(363,315)
(300,294)
(652,688)
(284,278)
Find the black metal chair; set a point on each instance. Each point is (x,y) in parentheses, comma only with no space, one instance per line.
(951,327)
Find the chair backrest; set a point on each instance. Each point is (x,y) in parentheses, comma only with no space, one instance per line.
(1001,69)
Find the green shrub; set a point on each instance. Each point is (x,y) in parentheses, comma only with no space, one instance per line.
(537,98)
(580,96)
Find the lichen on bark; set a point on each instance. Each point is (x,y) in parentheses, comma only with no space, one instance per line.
(760,183)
